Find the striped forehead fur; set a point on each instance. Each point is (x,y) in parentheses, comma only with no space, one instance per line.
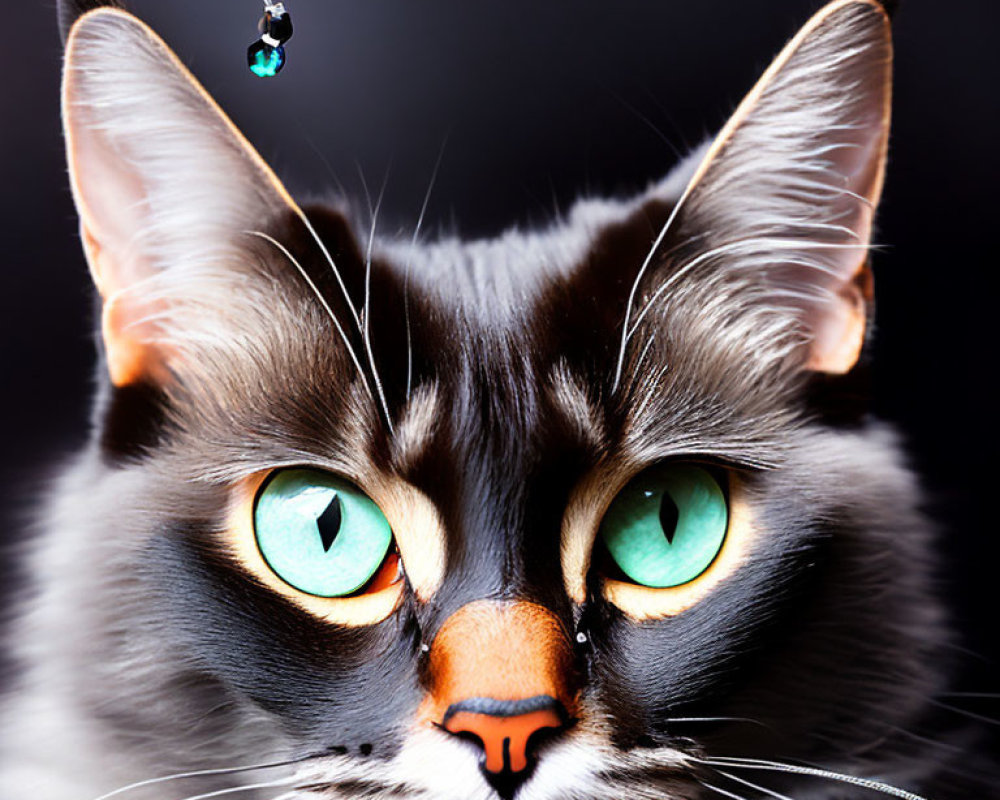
(416,425)
(571,397)
(497,280)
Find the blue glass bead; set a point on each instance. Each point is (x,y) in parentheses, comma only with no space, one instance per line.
(265,61)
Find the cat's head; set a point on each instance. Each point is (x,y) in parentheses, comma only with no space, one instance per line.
(564,513)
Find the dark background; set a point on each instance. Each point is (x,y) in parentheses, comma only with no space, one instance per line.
(540,101)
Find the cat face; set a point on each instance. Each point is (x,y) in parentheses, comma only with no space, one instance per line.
(563,514)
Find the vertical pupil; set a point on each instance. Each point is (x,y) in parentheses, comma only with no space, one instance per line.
(329,523)
(668,516)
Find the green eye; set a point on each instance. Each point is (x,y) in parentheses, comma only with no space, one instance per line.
(667,526)
(318,533)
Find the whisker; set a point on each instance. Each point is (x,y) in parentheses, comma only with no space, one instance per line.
(716,719)
(348,301)
(322,158)
(409,266)
(319,295)
(723,792)
(649,123)
(366,332)
(775,766)
(333,267)
(964,713)
(669,119)
(943,765)
(638,279)
(626,329)
(237,789)
(202,773)
(927,740)
(364,186)
(774,243)
(763,789)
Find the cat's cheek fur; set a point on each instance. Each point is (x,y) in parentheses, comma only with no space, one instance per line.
(343,690)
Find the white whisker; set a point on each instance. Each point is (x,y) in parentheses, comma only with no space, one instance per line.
(409,266)
(201,773)
(638,279)
(773,243)
(716,719)
(365,334)
(723,792)
(319,295)
(237,789)
(776,766)
(364,186)
(333,267)
(764,789)
(322,158)
(964,713)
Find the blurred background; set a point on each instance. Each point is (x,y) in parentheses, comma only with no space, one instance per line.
(538,103)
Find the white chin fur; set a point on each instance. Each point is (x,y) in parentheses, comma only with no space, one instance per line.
(432,764)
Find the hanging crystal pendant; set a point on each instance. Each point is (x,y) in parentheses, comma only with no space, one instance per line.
(264,60)
(266,57)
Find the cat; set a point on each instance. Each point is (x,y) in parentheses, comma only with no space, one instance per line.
(584,512)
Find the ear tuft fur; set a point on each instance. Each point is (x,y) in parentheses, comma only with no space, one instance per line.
(70,11)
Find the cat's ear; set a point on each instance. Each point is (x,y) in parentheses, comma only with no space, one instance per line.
(163,181)
(780,209)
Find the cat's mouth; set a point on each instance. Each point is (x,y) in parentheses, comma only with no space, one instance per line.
(582,764)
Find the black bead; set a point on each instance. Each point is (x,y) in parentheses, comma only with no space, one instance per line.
(278,27)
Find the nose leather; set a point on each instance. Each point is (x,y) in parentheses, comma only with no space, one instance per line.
(505,728)
(500,673)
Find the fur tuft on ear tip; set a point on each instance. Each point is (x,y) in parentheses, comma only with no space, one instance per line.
(69,11)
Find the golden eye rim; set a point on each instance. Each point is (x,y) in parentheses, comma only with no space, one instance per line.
(642,603)
(582,520)
(588,503)
(240,541)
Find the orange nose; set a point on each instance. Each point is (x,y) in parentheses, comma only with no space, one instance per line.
(500,675)
(504,728)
